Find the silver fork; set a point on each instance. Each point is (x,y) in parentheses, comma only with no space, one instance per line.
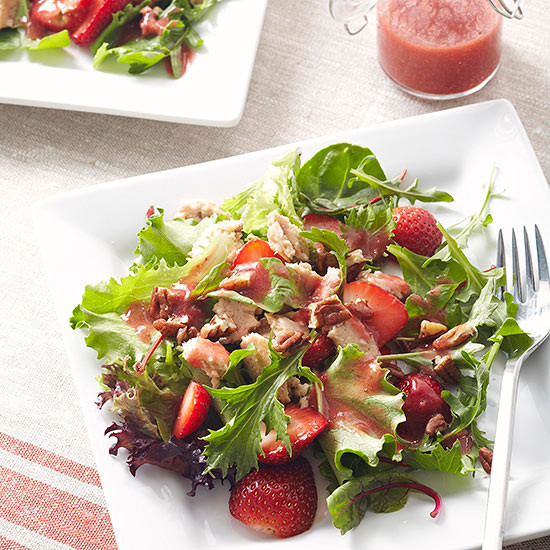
(533,315)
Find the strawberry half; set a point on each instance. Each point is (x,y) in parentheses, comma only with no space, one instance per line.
(99,15)
(277,500)
(193,410)
(58,15)
(253,251)
(390,315)
(416,229)
(304,426)
(321,348)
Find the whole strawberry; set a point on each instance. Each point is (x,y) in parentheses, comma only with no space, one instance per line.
(416,229)
(278,500)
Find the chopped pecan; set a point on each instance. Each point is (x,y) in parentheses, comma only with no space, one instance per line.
(240,280)
(486,459)
(445,368)
(430,330)
(186,333)
(329,311)
(454,337)
(360,309)
(437,423)
(170,328)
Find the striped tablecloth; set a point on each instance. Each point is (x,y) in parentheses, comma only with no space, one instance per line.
(310,79)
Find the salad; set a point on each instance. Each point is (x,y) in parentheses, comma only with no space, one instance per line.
(320,312)
(137,33)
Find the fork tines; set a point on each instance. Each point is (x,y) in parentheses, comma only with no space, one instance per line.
(521,291)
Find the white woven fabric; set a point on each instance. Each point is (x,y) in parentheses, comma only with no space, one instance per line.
(310,79)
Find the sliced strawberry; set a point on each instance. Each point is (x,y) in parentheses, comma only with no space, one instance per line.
(323,221)
(390,315)
(253,251)
(416,229)
(321,348)
(304,426)
(277,500)
(99,15)
(58,15)
(193,410)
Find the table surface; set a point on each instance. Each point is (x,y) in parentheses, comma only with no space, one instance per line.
(310,79)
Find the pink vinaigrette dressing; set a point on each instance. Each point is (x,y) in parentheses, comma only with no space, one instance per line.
(439,47)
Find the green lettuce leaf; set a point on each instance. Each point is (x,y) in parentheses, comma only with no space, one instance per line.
(10,39)
(351,443)
(451,460)
(274,191)
(238,441)
(140,54)
(349,502)
(326,184)
(171,240)
(58,40)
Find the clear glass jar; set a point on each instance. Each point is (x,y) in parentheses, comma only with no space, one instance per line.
(439,49)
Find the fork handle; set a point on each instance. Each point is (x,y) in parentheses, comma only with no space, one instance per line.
(500,469)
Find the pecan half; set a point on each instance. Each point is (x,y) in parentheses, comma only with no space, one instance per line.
(437,423)
(286,341)
(159,306)
(329,311)
(454,337)
(430,330)
(445,368)
(486,459)
(171,328)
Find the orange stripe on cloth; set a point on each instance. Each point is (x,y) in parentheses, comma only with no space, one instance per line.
(6,544)
(49,460)
(54,514)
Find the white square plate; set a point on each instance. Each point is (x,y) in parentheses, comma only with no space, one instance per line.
(89,235)
(211,93)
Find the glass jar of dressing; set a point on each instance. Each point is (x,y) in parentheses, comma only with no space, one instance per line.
(437,49)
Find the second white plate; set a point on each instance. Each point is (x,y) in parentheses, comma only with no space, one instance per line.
(212,92)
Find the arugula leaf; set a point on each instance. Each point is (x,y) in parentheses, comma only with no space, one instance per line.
(140,54)
(172,240)
(232,376)
(238,442)
(58,40)
(274,191)
(336,245)
(111,33)
(471,398)
(325,182)
(10,39)
(349,502)
(462,231)
(350,442)
(391,188)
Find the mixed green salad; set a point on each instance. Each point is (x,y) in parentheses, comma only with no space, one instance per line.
(138,34)
(321,307)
